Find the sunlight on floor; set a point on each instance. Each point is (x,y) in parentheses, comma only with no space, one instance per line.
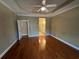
(42,31)
(42,42)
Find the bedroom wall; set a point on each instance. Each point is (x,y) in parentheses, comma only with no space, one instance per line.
(8,32)
(66,26)
(34,25)
(48,26)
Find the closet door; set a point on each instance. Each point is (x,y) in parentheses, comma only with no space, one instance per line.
(22,28)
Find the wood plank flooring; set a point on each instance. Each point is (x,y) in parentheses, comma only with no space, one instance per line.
(38,48)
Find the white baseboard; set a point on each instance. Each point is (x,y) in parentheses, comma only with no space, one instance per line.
(73,46)
(33,35)
(1,55)
(36,35)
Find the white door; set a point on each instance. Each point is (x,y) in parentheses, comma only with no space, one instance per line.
(22,28)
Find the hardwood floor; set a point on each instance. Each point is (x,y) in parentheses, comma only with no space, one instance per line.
(41,48)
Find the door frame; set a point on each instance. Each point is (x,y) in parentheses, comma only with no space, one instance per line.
(19,35)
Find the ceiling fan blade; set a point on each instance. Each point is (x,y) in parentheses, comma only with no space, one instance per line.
(38,10)
(44,2)
(51,5)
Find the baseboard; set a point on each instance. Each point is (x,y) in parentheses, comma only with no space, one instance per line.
(1,55)
(33,35)
(71,45)
(36,35)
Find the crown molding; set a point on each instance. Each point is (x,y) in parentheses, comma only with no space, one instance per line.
(7,6)
(52,14)
(64,10)
(37,15)
(33,15)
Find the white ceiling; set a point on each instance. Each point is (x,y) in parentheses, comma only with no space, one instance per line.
(29,7)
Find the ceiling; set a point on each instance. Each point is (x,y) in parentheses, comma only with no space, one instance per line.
(29,7)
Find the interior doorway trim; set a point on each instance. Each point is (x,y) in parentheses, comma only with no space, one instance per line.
(19,34)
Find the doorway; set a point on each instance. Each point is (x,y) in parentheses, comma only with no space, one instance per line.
(23,27)
(42,26)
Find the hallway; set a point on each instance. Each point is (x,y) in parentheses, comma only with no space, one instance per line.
(32,48)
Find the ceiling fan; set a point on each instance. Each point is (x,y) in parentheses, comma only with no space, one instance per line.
(44,7)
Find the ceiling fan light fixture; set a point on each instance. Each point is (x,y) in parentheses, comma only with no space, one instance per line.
(43,8)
